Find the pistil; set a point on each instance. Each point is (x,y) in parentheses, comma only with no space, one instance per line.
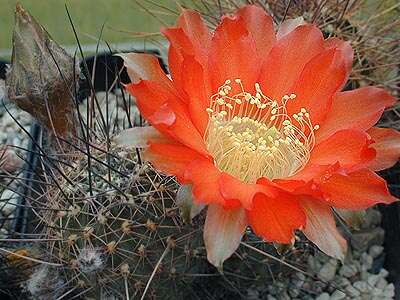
(252,136)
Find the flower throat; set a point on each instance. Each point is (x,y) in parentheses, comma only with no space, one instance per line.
(252,136)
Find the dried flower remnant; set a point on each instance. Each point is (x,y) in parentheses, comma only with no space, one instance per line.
(42,75)
(255,121)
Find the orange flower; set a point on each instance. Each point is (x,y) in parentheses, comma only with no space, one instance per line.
(256,123)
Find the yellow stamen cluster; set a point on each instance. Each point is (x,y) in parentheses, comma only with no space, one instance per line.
(252,136)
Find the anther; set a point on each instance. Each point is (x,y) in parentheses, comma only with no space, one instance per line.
(250,144)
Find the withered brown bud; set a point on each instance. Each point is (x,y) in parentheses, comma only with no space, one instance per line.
(41,79)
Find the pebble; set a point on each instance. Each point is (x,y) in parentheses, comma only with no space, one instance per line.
(384,273)
(2,88)
(8,201)
(375,251)
(337,295)
(312,263)
(382,283)
(294,292)
(352,291)
(361,241)
(373,279)
(253,294)
(362,286)
(323,296)
(11,134)
(372,219)
(3,233)
(389,290)
(348,271)
(328,270)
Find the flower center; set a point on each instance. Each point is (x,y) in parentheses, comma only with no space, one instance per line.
(252,136)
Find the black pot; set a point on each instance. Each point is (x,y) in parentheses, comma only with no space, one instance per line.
(3,68)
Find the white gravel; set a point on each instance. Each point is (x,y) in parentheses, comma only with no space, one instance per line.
(17,140)
(356,279)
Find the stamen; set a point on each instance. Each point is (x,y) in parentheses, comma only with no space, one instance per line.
(252,136)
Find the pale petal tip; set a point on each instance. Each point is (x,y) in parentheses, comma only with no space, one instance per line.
(223,232)
(137,137)
(184,199)
(288,26)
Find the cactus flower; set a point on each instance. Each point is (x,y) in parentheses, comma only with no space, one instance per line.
(255,122)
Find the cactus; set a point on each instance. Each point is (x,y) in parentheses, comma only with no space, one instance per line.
(125,236)
(115,233)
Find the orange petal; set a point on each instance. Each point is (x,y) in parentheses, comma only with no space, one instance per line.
(144,95)
(348,147)
(387,146)
(170,159)
(197,88)
(204,177)
(320,79)
(167,113)
(223,232)
(357,190)
(234,189)
(179,45)
(231,46)
(345,47)
(260,26)
(358,109)
(321,228)
(142,66)
(138,137)
(288,26)
(287,59)
(190,37)
(311,171)
(197,32)
(275,219)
